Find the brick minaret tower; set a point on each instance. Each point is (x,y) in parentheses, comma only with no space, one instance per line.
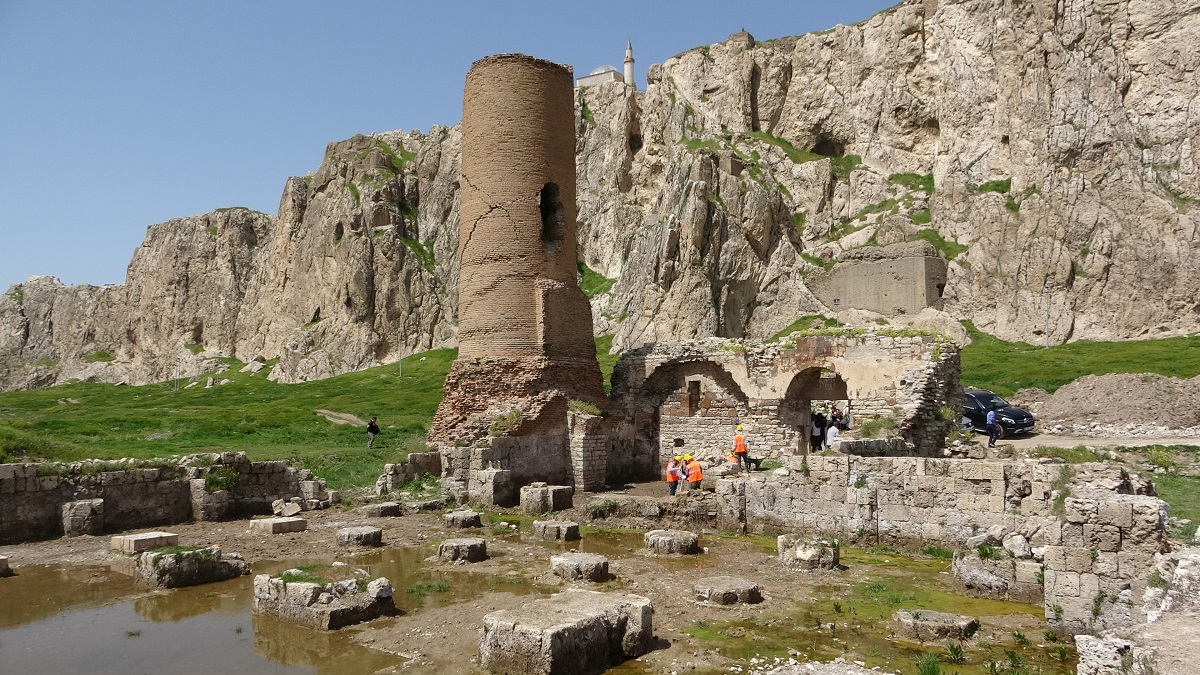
(525,328)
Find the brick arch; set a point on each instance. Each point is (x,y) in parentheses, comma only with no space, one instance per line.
(808,385)
(679,417)
(670,377)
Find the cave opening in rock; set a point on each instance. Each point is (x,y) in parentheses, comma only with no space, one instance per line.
(829,147)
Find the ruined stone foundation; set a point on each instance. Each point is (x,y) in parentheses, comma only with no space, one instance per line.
(525,327)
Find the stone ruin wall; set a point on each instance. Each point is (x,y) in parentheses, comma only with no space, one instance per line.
(32,496)
(589,453)
(1091,531)
(1099,556)
(768,389)
(1096,549)
(525,327)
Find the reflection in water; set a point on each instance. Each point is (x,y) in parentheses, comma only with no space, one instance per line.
(405,568)
(332,652)
(39,591)
(113,626)
(82,620)
(227,597)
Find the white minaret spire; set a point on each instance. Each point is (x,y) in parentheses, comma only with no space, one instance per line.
(629,64)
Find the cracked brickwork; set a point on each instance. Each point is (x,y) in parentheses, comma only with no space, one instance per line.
(525,327)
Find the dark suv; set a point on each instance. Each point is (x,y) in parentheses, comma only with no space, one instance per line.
(1012,421)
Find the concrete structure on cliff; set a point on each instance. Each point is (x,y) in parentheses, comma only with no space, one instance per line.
(891,280)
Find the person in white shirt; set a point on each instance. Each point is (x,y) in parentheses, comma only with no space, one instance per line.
(831,436)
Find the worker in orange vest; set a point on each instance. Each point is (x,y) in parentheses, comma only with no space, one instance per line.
(740,450)
(694,474)
(672,474)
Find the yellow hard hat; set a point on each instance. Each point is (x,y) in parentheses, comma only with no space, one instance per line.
(739,427)
(678,457)
(687,456)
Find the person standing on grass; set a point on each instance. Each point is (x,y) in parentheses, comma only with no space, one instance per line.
(372,432)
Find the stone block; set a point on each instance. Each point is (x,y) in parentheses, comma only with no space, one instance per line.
(1102,537)
(567,633)
(382,510)
(538,498)
(1112,656)
(362,535)
(278,525)
(283,508)
(5,570)
(323,606)
(462,519)
(1079,511)
(1072,535)
(1018,546)
(144,541)
(801,553)
(1052,532)
(924,625)
(1078,560)
(579,566)
(556,530)
(1028,572)
(980,578)
(202,565)
(727,591)
(672,542)
(466,550)
(1118,513)
(83,517)
(492,487)
(1065,585)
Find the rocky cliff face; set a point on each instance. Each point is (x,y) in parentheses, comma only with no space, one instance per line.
(1046,147)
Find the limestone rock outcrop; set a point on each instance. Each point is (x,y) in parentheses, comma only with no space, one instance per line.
(1047,151)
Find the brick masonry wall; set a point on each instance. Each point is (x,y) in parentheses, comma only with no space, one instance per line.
(703,388)
(31,504)
(524,326)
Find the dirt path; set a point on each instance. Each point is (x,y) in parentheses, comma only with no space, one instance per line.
(1062,441)
(341,418)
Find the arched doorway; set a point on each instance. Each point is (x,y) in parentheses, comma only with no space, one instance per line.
(810,390)
(693,407)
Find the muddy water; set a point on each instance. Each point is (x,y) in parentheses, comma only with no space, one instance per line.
(95,620)
(91,620)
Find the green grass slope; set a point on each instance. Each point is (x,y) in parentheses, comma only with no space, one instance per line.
(1004,367)
(277,421)
(265,419)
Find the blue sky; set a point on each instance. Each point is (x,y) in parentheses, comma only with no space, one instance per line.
(117,115)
